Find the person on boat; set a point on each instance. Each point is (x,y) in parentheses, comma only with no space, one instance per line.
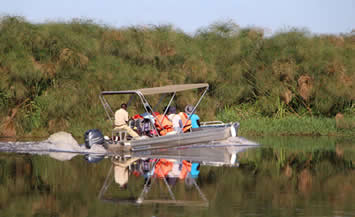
(175,118)
(121,120)
(186,122)
(148,114)
(195,119)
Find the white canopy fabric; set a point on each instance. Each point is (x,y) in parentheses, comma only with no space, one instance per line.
(171,88)
(160,90)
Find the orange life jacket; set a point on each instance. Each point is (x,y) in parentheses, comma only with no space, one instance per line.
(185,122)
(185,169)
(162,168)
(163,124)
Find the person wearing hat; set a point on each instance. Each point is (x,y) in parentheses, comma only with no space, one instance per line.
(195,119)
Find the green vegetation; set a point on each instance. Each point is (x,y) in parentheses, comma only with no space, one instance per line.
(287,123)
(51,75)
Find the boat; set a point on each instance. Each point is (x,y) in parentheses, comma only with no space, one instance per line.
(215,132)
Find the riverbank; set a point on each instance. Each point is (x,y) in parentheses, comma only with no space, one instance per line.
(253,122)
(257,125)
(302,126)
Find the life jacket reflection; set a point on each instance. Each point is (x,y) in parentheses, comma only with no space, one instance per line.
(185,169)
(162,168)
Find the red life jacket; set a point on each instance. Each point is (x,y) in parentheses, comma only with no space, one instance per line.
(137,116)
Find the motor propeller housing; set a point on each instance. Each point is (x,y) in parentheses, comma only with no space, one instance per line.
(92,137)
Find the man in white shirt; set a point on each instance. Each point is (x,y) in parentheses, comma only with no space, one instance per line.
(121,119)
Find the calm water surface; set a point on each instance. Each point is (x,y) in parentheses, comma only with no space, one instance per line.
(287,176)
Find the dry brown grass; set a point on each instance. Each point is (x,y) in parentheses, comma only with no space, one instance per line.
(256,33)
(305,86)
(337,41)
(335,67)
(112,35)
(339,120)
(7,128)
(288,171)
(342,123)
(48,69)
(7,125)
(346,80)
(339,151)
(286,71)
(72,59)
(287,96)
(305,181)
(195,69)
(57,125)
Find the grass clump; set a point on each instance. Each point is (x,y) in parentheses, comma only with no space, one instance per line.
(285,123)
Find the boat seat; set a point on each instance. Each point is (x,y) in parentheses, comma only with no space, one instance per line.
(122,134)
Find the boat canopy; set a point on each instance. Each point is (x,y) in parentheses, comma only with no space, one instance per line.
(151,91)
(159,90)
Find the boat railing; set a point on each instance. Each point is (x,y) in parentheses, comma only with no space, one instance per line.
(211,122)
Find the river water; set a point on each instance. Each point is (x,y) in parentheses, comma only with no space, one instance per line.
(286,176)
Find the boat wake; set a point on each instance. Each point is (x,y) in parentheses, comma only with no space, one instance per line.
(61,146)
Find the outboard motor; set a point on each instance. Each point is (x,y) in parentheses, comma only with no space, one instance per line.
(93,136)
(234,129)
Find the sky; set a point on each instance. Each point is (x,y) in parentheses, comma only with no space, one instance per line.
(317,16)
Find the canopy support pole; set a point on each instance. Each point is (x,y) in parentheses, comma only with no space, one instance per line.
(107,108)
(193,110)
(146,184)
(167,107)
(199,190)
(107,183)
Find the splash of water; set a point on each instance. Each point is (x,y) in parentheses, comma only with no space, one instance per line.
(61,146)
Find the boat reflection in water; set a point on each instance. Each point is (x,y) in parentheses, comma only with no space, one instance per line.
(170,165)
